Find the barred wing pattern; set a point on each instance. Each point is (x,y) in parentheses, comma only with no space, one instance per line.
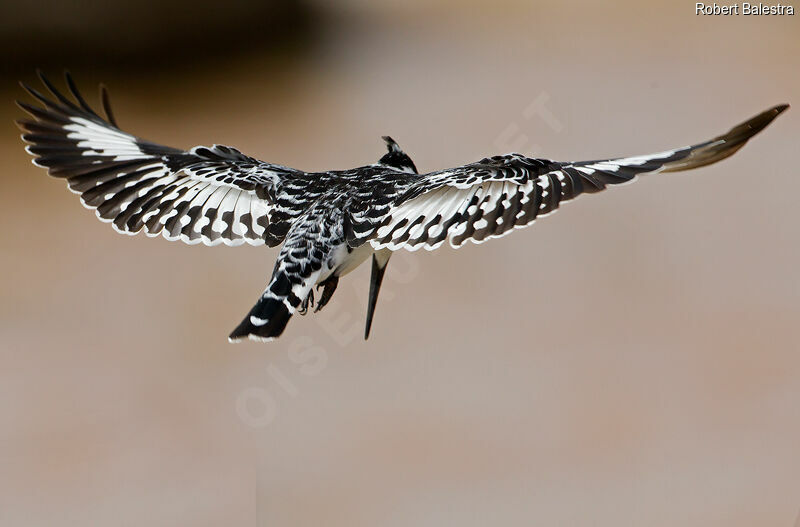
(209,194)
(490,198)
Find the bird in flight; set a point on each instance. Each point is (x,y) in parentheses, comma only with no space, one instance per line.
(327,222)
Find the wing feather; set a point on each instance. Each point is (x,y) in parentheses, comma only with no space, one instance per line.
(209,194)
(493,196)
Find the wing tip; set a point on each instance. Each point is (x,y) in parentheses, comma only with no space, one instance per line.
(779,108)
(754,125)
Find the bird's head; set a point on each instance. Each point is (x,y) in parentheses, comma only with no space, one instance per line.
(396,158)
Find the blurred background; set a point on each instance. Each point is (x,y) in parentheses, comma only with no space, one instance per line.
(631,360)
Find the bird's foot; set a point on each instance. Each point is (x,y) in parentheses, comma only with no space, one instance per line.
(309,301)
(329,287)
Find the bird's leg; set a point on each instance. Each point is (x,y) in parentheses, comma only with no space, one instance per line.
(329,284)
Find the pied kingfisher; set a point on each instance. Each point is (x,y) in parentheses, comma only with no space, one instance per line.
(328,222)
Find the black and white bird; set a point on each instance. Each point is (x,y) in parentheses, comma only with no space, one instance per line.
(328,222)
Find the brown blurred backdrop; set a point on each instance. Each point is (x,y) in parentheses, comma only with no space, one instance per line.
(631,360)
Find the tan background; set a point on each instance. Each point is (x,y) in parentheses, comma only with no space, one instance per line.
(632,360)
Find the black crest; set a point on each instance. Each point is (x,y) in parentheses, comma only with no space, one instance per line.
(396,158)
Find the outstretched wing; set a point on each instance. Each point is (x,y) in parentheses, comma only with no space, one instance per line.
(490,198)
(209,194)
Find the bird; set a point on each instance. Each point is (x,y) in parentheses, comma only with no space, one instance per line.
(327,223)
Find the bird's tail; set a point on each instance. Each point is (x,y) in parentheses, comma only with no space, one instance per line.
(264,322)
(274,308)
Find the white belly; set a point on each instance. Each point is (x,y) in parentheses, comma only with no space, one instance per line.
(342,262)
